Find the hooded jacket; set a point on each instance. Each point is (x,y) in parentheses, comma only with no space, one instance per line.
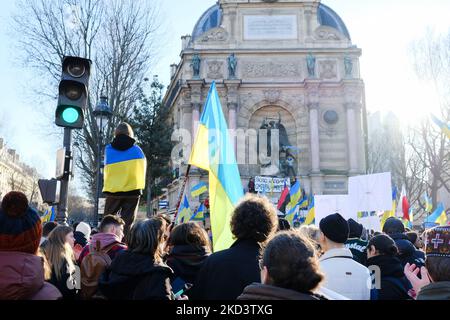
(407,251)
(186,261)
(394,285)
(106,239)
(22,278)
(258,291)
(134,276)
(125,167)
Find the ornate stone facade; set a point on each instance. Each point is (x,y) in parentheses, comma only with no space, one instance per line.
(290,74)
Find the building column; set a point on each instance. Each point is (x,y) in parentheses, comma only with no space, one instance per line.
(195,119)
(232,104)
(232,124)
(314,135)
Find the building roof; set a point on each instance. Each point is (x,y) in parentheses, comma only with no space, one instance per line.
(212,18)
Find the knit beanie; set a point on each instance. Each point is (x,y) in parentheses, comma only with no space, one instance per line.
(393,225)
(335,228)
(85,229)
(356,229)
(437,242)
(20,225)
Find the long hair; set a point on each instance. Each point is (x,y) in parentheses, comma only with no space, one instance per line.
(58,252)
(147,236)
(190,233)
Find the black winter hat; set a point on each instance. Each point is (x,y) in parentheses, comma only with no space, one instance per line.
(335,228)
(356,229)
(393,225)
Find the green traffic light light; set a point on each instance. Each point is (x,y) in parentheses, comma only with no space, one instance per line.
(70,115)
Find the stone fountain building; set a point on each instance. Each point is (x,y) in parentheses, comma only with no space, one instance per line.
(287,64)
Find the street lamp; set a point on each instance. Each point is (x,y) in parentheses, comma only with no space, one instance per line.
(102,114)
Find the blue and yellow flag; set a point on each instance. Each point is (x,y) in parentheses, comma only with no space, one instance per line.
(444,127)
(390,213)
(199,215)
(295,194)
(428,203)
(214,152)
(124,170)
(438,216)
(184,212)
(199,189)
(49,215)
(310,217)
(292,214)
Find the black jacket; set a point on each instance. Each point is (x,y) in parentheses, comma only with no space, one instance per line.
(258,291)
(123,142)
(80,238)
(186,261)
(226,273)
(66,284)
(407,251)
(394,285)
(133,276)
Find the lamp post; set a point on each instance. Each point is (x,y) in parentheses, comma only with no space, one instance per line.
(102,114)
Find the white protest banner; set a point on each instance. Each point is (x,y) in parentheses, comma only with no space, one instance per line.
(371,223)
(329,204)
(269,184)
(371,192)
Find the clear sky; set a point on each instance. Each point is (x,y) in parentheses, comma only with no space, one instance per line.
(383,29)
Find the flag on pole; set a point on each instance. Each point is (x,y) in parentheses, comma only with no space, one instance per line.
(213,151)
(199,215)
(295,194)
(444,127)
(292,215)
(438,216)
(390,213)
(310,217)
(428,203)
(184,212)
(49,215)
(198,189)
(403,204)
(284,198)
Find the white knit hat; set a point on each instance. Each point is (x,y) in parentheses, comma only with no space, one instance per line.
(84,228)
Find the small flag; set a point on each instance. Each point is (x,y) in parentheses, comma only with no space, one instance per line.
(284,198)
(295,194)
(184,212)
(438,216)
(310,217)
(444,127)
(428,203)
(199,215)
(199,189)
(390,213)
(292,215)
(49,215)
(403,204)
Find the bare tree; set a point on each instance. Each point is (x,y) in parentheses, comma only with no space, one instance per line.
(16,181)
(119,36)
(431,59)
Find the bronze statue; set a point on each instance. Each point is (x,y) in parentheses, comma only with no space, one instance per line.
(232,63)
(195,64)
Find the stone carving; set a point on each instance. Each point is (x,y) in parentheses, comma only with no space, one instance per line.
(271,69)
(311,63)
(272,96)
(232,64)
(348,64)
(195,64)
(328,69)
(216,34)
(215,69)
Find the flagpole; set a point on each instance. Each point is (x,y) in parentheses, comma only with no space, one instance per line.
(180,196)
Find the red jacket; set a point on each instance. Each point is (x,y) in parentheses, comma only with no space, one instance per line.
(22,278)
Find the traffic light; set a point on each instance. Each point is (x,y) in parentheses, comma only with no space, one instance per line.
(73,92)
(49,191)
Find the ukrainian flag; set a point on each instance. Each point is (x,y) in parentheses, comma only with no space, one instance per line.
(295,194)
(49,215)
(199,215)
(444,127)
(428,203)
(198,189)
(184,212)
(438,216)
(390,213)
(292,215)
(213,151)
(310,217)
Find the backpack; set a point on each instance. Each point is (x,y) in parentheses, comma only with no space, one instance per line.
(92,267)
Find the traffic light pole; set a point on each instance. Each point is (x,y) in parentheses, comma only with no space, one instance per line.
(61,216)
(99,176)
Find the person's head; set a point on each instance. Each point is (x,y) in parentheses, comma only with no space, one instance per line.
(254,218)
(189,233)
(20,226)
(85,229)
(58,250)
(283,224)
(289,261)
(334,232)
(438,253)
(112,224)
(313,234)
(356,229)
(415,239)
(124,129)
(148,237)
(48,227)
(393,225)
(381,245)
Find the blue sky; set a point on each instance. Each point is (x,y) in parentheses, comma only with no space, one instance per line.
(382,28)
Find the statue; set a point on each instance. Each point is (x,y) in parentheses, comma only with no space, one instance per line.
(348,63)
(232,63)
(311,62)
(195,64)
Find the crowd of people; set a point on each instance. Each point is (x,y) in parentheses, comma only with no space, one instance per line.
(153,259)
